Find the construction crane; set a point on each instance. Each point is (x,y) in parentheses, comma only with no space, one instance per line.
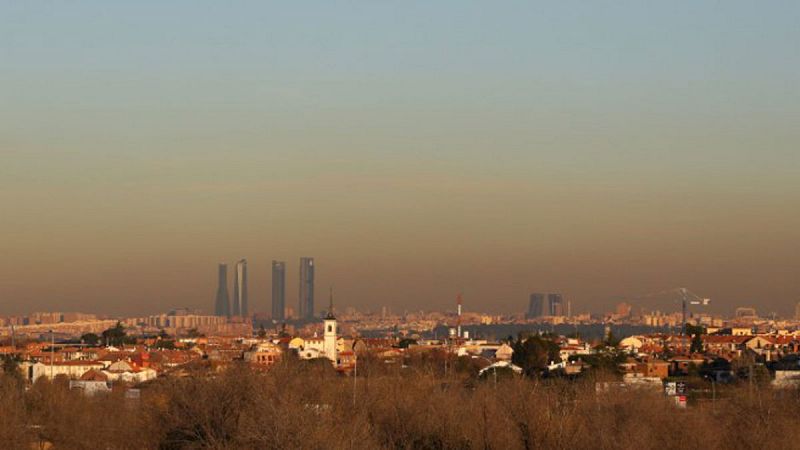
(686,297)
(689,298)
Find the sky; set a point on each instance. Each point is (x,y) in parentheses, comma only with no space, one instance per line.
(605,150)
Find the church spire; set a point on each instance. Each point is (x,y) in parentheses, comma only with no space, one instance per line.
(330,315)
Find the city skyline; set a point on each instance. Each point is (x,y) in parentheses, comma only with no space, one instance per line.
(604,151)
(548,224)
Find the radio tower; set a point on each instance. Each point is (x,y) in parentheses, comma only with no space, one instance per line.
(458,320)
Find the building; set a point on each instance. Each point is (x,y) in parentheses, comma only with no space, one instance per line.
(70,369)
(306,291)
(746,313)
(542,305)
(536,305)
(263,353)
(222,305)
(240,289)
(329,335)
(624,309)
(278,290)
(556,304)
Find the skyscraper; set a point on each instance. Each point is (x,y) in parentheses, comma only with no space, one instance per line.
(240,289)
(222,306)
(536,305)
(306,291)
(278,290)
(541,305)
(556,304)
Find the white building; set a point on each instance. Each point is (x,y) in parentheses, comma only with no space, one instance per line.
(71,369)
(329,349)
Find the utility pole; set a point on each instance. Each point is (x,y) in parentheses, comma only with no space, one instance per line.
(458,320)
(355,376)
(683,318)
(52,352)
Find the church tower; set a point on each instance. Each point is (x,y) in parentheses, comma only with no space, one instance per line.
(329,336)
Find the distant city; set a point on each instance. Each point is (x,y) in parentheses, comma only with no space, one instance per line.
(544,310)
(678,355)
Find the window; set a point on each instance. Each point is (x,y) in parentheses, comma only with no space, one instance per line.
(330,328)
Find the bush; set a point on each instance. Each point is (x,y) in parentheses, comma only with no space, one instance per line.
(300,404)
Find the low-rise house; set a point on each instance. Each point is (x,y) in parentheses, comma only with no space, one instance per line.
(504,353)
(631,344)
(71,369)
(92,383)
(722,345)
(680,365)
(126,371)
(263,353)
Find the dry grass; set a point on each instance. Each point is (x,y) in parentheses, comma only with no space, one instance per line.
(297,405)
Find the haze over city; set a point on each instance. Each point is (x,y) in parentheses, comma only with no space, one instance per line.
(604,150)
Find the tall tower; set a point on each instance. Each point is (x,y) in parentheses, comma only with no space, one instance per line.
(222,305)
(306,291)
(329,335)
(536,307)
(278,290)
(240,289)
(556,303)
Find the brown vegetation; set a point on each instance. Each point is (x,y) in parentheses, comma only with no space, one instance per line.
(301,405)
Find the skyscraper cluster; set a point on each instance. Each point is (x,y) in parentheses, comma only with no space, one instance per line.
(239,306)
(541,305)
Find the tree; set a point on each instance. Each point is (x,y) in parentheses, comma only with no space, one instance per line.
(193,333)
(90,339)
(697,344)
(407,342)
(262,332)
(611,340)
(10,368)
(692,330)
(534,354)
(165,344)
(115,335)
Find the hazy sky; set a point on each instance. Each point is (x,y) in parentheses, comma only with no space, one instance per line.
(416,149)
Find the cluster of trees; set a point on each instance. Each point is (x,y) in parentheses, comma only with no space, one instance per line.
(298,404)
(534,353)
(115,336)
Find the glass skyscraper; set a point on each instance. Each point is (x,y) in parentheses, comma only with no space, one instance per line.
(536,305)
(240,289)
(222,305)
(306,291)
(556,304)
(278,290)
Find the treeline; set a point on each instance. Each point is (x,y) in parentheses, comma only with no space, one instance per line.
(299,404)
